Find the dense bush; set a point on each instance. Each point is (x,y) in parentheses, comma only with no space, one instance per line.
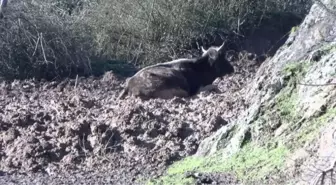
(60,38)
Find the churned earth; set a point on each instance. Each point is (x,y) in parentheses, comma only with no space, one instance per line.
(77,131)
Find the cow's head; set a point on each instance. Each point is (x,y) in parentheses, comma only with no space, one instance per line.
(218,60)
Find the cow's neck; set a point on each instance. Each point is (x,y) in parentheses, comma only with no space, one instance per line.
(200,76)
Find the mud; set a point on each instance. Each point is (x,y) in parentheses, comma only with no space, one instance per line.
(54,132)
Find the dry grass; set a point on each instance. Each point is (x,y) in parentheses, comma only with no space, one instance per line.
(60,38)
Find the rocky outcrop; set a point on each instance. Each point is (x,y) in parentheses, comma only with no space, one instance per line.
(289,91)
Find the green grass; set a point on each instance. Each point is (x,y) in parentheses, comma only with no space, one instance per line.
(286,104)
(252,163)
(328,48)
(310,130)
(286,100)
(294,29)
(296,70)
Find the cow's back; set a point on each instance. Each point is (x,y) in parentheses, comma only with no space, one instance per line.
(158,82)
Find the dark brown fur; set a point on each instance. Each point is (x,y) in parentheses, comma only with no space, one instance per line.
(181,78)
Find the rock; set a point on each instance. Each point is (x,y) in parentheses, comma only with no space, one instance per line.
(228,139)
(316,31)
(315,94)
(321,161)
(215,123)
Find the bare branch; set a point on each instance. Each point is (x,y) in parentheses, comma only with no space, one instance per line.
(326,84)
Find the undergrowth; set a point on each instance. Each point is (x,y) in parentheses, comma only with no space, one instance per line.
(60,38)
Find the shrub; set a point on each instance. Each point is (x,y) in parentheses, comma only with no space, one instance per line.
(37,41)
(63,38)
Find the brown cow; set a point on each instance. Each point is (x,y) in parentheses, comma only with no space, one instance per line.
(180,78)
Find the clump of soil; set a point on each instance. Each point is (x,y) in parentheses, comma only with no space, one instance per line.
(78,124)
(211,178)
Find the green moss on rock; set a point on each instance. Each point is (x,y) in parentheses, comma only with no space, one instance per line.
(252,163)
(310,130)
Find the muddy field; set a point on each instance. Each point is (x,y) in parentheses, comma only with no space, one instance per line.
(77,131)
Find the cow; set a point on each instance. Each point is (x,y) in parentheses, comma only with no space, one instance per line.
(179,78)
